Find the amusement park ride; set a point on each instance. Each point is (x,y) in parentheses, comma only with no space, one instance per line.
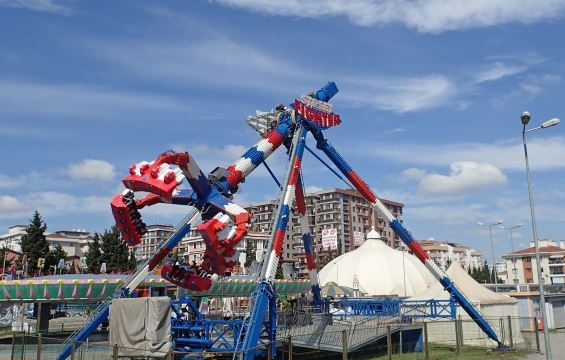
(223,224)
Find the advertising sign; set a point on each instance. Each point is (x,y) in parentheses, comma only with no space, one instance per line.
(329,239)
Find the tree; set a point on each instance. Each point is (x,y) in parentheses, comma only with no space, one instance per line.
(3,255)
(481,275)
(324,259)
(279,274)
(485,273)
(94,255)
(448,263)
(249,251)
(54,256)
(132,261)
(472,271)
(34,243)
(114,251)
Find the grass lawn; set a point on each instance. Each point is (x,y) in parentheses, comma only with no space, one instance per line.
(445,353)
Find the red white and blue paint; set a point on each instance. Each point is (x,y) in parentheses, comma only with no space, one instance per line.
(224,223)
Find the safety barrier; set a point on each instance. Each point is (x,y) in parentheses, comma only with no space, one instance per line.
(316,336)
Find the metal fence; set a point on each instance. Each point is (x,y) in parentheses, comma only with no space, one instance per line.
(325,337)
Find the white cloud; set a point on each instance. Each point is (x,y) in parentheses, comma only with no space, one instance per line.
(528,87)
(414,173)
(448,213)
(10,205)
(51,203)
(535,84)
(232,63)
(312,189)
(401,94)
(92,169)
(427,16)
(51,6)
(506,155)
(464,177)
(8,182)
(497,71)
(72,100)
(208,157)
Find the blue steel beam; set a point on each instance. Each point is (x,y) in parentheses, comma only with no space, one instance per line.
(403,233)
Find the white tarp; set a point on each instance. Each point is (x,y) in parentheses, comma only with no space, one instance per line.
(493,306)
(474,291)
(141,326)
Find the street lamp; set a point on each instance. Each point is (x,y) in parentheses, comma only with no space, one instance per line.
(493,274)
(512,244)
(525,118)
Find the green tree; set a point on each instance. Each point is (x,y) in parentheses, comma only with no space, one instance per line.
(72,269)
(2,257)
(482,274)
(114,251)
(34,243)
(249,251)
(132,261)
(279,273)
(485,273)
(324,259)
(472,271)
(54,256)
(94,255)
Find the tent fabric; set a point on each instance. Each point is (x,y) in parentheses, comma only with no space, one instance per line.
(379,269)
(496,308)
(475,292)
(141,326)
(334,290)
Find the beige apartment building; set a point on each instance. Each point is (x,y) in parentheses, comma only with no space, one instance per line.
(192,246)
(344,210)
(522,267)
(444,253)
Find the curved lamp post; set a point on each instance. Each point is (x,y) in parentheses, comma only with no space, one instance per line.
(525,118)
(494,273)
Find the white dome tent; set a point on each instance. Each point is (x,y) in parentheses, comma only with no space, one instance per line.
(380,270)
(491,305)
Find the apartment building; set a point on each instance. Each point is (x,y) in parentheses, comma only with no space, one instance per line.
(192,246)
(151,239)
(74,242)
(344,210)
(522,267)
(444,253)
(12,239)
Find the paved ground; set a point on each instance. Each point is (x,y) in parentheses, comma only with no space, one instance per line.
(557,342)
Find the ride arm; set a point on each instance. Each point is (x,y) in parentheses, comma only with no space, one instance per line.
(286,200)
(404,234)
(241,168)
(264,294)
(307,240)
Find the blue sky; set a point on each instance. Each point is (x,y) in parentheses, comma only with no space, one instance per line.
(431,94)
